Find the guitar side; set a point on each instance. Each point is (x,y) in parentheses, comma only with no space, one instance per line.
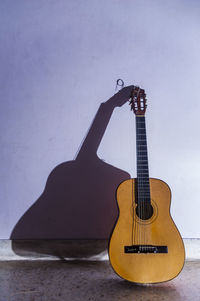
(158,230)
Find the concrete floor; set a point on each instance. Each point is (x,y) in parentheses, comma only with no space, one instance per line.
(83,280)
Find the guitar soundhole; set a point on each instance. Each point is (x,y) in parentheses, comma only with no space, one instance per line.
(144,210)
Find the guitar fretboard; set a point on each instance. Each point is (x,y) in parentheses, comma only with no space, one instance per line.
(143,188)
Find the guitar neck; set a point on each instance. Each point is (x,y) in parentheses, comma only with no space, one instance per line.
(143,188)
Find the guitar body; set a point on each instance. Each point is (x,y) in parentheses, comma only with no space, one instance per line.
(158,230)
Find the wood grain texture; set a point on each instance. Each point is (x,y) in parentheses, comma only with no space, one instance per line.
(158,230)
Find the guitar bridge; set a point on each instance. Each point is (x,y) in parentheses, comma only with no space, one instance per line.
(145,249)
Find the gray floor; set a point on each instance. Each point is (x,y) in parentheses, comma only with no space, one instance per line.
(57,280)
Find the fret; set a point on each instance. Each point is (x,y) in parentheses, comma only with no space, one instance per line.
(141,130)
(140,125)
(142,167)
(141,143)
(141,191)
(144,199)
(143,175)
(141,183)
(144,181)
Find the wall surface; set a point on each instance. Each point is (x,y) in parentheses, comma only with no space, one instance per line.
(59,61)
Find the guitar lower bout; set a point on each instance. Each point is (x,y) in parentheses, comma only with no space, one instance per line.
(145,245)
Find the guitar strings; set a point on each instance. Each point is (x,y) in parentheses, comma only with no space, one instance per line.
(133,210)
(139,182)
(142,207)
(142,187)
(138,176)
(143,193)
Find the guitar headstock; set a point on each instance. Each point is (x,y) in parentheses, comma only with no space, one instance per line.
(138,101)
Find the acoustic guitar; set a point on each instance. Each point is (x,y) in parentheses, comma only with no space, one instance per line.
(145,245)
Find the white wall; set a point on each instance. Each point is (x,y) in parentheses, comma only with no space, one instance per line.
(60,59)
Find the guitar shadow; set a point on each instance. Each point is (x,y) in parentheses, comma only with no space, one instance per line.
(77,204)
